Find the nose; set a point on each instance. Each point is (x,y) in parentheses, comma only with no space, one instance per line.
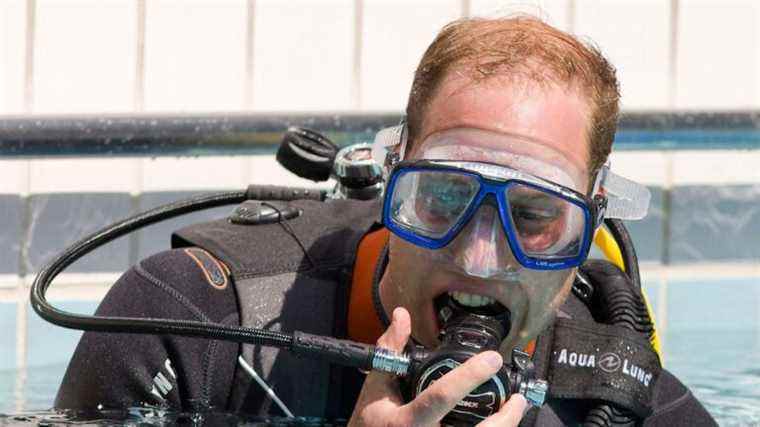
(481,248)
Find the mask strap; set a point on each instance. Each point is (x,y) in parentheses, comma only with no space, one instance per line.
(626,199)
(385,140)
(601,177)
(403,139)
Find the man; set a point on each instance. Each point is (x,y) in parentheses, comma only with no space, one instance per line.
(490,204)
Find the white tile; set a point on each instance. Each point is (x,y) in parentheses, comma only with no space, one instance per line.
(303,55)
(14,176)
(199,173)
(634,35)
(644,167)
(719,167)
(717,65)
(194,55)
(82,175)
(84,56)
(396,34)
(554,12)
(12,48)
(9,283)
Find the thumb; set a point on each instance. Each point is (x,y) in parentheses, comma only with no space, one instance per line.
(395,338)
(397,334)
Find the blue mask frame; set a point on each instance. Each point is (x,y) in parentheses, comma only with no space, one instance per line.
(593,210)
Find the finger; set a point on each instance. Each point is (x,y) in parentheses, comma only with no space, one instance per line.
(441,397)
(510,413)
(397,334)
(395,338)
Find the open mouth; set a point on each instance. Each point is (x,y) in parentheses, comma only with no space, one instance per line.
(451,304)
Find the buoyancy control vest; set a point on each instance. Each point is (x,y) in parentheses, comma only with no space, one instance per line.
(291,265)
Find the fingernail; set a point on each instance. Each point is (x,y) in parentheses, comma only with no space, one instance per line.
(493,359)
(396,314)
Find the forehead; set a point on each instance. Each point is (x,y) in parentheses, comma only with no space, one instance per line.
(477,145)
(551,119)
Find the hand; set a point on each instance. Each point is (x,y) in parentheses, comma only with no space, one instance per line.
(380,402)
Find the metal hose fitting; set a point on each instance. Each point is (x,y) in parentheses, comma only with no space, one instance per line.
(385,360)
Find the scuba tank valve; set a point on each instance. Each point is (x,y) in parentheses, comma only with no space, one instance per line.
(311,155)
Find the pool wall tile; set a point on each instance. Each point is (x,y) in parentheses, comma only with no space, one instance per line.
(8,337)
(647,233)
(12,15)
(703,58)
(651,289)
(49,344)
(643,70)
(11,208)
(395,35)
(714,223)
(59,220)
(200,63)
(288,73)
(91,69)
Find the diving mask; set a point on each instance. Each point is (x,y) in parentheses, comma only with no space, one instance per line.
(546,218)
(548,226)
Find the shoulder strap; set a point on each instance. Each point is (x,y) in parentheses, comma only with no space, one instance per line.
(364,325)
(602,362)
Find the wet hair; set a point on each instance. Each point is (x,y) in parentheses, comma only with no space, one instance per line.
(521,48)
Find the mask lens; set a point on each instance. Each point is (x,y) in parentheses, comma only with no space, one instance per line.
(547,226)
(430,202)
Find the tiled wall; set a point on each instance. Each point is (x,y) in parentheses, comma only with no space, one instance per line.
(326,55)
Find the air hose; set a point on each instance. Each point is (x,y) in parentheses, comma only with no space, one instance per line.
(622,306)
(333,350)
(136,325)
(617,246)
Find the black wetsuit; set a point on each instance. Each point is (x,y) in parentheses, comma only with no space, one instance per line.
(280,277)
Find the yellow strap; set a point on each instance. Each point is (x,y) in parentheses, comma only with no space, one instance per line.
(611,250)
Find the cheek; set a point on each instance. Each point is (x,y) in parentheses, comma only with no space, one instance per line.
(557,284)
(408,269)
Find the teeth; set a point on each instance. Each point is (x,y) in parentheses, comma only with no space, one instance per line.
(470,300)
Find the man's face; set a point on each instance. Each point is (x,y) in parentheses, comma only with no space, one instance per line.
(551,121)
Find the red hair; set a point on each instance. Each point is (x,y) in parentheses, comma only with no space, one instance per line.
(521,47)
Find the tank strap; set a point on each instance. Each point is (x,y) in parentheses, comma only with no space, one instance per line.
(603,362)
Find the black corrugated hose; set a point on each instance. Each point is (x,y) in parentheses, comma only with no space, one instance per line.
(623,307)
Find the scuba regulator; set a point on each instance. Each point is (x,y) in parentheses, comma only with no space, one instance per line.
(464,333)
(313,156)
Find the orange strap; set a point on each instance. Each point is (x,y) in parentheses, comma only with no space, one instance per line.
(364,325)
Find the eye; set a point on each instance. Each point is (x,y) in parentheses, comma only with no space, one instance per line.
(446,196)
(532,219)
(539,218)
